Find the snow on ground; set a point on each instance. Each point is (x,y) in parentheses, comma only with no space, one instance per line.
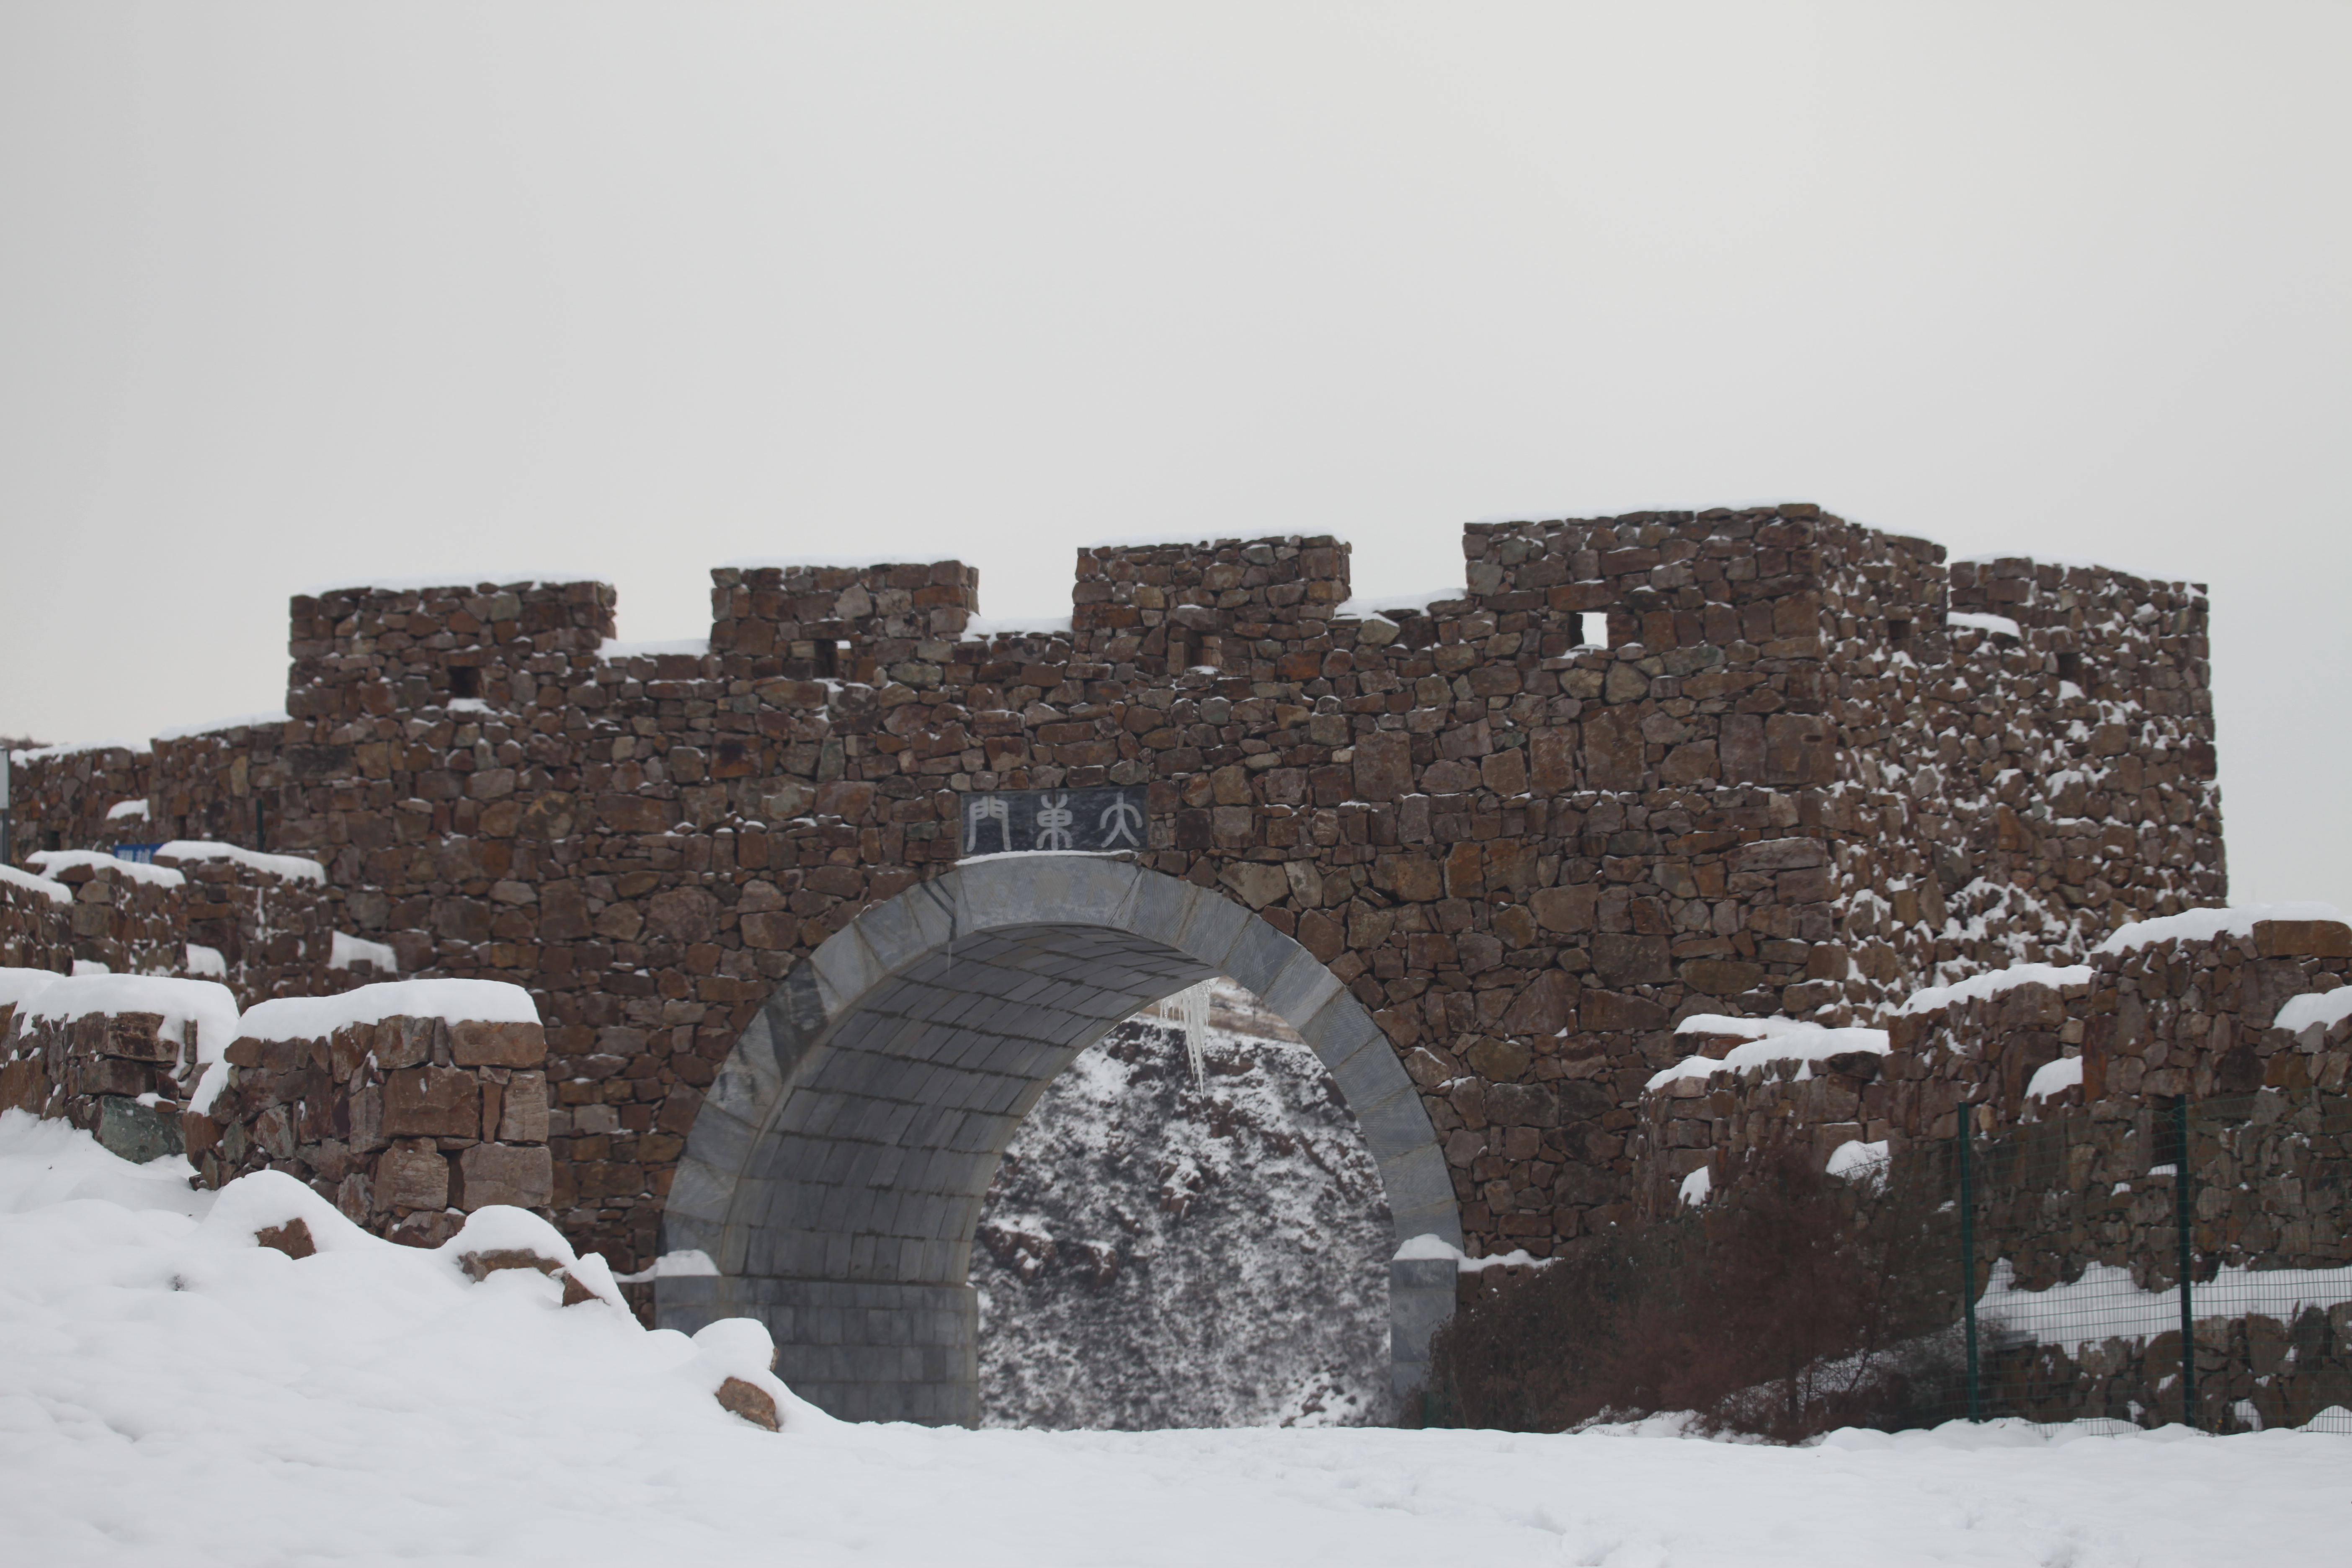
(172,1393)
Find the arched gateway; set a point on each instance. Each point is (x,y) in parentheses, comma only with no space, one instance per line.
(836,1168)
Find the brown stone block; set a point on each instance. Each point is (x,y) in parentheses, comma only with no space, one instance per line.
(1632,960)
(1383,763)
(1613,748)
(2302,939)
(411,1179)
(634,814)
(1568,908)
(1610,1010)
(1798,748)
(523,1118)
(1779,855)
(753,1403)
(1414,878)
(133,1037)
(431,1102)
(1465,870)
(1547,1006)
(496,1174)
(110,1075)
(474,1043)
(1722,977)
(773,931)
(1552,767)
(688,914)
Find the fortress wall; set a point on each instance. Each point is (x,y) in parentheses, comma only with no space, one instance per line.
(1529,857)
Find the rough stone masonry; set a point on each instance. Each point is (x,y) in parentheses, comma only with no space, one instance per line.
(1811,768)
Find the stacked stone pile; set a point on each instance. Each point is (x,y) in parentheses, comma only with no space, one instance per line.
(268,917)
(1715,1120)
(79,786)
(2165,1010)
(36,922)
(410,1105)
(128,917)
(260,924)
(115,1055)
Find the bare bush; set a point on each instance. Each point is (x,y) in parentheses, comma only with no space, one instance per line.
(1795,1303)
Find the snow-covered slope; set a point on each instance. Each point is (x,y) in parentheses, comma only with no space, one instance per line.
(1157,1255)
(172,1394)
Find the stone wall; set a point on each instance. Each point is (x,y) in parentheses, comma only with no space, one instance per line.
(1527,856)
(117,1055)
(260,924)
(2084,1175)
(127,917)
(36,922)
(407,1122)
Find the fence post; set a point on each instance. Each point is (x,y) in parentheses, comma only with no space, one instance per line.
(2182,1212)
(1969,1258)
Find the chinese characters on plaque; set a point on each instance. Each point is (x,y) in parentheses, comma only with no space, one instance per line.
(1014,820)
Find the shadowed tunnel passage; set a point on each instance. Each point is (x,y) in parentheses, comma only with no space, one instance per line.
(836,1170)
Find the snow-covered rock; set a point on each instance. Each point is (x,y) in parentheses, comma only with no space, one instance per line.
(1157,1255)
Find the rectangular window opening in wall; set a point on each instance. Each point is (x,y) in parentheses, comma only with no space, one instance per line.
(465,680)
(1898,629)
(2070,668)
(1593,628)
(831,658)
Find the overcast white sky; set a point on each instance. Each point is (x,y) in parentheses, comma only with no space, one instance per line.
(294,292)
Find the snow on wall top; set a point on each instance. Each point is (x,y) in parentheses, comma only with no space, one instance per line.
(1977,987)
(2325,1008)
(982,627)
(316,1017)
(293,867)
(456,582)
(42,753)
(1986,558)
(613,648)
(235,721)
(1415,601)
(56,892)
(1770,1040)
(211,1005)
(2204,925)
(812,559)
(52,861)
(19,986)
(123,808)
(1979,621)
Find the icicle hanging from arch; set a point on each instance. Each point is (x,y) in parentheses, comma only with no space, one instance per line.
(1190,1008)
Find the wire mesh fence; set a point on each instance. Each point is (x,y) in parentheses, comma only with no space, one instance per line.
(2050,1269)
(2089,1247)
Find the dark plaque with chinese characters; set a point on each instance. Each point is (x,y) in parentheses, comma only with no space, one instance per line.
(1013,821)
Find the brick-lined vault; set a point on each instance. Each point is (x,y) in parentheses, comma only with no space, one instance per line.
(836,1169)
(1810,767)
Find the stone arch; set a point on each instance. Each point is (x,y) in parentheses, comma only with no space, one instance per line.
(836,1169)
